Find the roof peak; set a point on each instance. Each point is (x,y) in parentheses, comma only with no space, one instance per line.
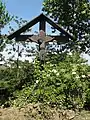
(39,18)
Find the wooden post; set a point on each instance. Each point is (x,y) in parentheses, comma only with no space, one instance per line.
(42,25)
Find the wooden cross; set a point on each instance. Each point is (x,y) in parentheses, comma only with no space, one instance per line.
(41,39)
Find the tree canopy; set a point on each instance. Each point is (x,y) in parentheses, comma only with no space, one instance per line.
(74,16)
(4,15)
(5,18)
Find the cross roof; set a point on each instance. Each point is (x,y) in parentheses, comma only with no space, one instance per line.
(39,18)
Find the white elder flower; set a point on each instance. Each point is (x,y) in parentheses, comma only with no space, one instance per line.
(48,75)
(54,71)
(83,76)
(79,46)
(69,53)
(73,73)
(49,70)
(57,74)
(37,81)
(51,65)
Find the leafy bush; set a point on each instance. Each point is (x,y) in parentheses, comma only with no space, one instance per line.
(63,83)
(12,79)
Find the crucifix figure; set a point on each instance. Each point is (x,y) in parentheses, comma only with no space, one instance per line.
(41,39)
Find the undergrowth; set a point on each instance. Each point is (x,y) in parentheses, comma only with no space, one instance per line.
(62,81)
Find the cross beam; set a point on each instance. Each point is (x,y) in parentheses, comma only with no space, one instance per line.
(59,39)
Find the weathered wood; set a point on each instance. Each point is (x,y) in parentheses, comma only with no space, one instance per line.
(59,39)
(41,18)
(42,25)
(24,28)
(22,37)
(58,27)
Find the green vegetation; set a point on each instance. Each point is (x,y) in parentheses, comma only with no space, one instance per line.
(63,81)
(74,16)
(5,18)
(4,15)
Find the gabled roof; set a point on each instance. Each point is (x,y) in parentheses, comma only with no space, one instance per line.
(36,20)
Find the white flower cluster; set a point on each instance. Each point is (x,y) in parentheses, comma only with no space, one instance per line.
(37,81)
(83,76)
(48,75)
(51,65)
(77,76)
(73,73)
(70,53)
(57,74)
(55,71)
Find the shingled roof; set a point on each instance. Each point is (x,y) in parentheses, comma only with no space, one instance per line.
(39,18)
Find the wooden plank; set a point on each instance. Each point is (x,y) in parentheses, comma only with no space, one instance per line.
(42,25)
(22,37)
(59,39)
(40,19)
(25,27)
(59,28)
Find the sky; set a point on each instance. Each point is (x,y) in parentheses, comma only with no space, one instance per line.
(26,9)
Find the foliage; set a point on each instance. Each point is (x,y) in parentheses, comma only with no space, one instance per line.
(63,79)
(63,84)
(12,79)
(5,18)
(4,15)
(74,16)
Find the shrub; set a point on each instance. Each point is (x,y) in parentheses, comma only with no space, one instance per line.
(63,83)
(13,79)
